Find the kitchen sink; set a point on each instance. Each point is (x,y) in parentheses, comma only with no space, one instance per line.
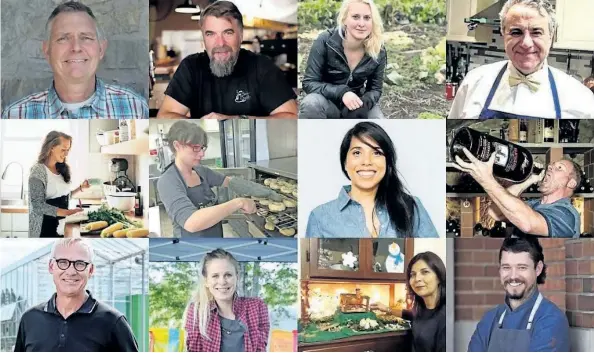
(12,202)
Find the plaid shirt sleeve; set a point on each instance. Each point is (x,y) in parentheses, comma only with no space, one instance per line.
(264,327)
(193,337)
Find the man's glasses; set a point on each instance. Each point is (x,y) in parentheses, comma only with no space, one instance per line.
(64,264)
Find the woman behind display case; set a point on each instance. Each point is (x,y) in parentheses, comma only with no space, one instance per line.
(217,318)
(426,279)
(50,186)
(376,203)
(345,67)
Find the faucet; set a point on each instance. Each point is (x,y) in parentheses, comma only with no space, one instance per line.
(22,177)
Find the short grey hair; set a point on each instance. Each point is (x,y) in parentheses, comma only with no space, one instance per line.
(576,173)
(71,6)
(186,132)
(67,242)
(543,7)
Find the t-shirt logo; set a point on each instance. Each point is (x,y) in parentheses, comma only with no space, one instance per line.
(241,96)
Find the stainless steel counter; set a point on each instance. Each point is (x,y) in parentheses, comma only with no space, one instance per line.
(284,167)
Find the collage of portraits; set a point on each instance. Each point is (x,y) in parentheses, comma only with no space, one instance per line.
(296,175)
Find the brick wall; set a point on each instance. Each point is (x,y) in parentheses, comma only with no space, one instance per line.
(580,282)
(477,284)
(589,203)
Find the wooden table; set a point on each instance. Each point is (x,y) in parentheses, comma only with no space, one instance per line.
(400,341)
(73,229)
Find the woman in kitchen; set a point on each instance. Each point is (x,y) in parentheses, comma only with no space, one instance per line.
(376,203)
(426,279)
(341,61)
(50,186)
(185,186)
(217,318)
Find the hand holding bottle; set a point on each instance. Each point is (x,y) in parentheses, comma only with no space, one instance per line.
(482,172)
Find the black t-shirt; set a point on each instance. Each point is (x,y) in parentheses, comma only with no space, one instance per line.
(256,87)
(428,329)
(95,327)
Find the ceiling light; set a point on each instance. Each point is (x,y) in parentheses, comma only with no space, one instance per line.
(187,8)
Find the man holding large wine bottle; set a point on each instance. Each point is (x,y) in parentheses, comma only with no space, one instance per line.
(524,86)
(552,215)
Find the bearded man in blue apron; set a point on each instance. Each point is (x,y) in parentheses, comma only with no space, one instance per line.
(527,321)
(552,215)
(525,86)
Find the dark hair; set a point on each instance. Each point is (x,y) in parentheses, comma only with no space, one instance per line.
(436,265)
(72,6)
(53,139)
(527,244)
(222,9)
(391,193)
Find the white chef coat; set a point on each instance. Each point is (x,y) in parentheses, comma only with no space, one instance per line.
(575,99)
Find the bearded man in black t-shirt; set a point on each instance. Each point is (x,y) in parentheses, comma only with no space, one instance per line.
(225,81)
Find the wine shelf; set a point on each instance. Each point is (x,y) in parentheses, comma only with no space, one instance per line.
(462,195)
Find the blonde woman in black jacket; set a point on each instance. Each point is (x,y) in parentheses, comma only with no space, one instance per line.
(345,68)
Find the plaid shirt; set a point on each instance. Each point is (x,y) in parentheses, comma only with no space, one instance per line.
(251,312)
(109,102)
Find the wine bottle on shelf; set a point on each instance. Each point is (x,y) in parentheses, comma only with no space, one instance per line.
(512,162)
(549,130)
(523,131)
(478,230)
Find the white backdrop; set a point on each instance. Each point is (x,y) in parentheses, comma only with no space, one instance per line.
(420,150)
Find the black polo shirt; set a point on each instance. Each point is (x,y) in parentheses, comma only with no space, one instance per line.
(95,327)
(256,87)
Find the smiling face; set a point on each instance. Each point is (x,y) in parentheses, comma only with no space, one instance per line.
(358,22)
(222,39)
(518,274)
(527,38)
(221,279)
(558,177)
(70,282)
(423,279)
(74,50)
(365,163)
(60,152)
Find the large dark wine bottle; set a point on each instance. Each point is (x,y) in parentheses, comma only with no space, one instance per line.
(523,131)
(549,130)
(512,162)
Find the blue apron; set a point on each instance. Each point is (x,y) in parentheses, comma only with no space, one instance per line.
(486,113)
(511,340)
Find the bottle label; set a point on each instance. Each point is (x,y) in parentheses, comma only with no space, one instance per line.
(523,136)
(548,133)
(501,154)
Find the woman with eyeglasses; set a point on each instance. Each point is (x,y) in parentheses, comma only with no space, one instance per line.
(185,186)
(50,187)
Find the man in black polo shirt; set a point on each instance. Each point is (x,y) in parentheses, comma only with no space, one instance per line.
(72,320)
(226,81)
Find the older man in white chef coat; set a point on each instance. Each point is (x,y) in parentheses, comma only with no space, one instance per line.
(524,86)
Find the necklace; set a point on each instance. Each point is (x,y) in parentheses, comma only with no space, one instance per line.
(226,331)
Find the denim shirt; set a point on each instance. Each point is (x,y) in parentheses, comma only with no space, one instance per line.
(345,218)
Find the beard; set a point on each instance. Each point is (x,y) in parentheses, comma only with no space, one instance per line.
(518,296)
(222,68)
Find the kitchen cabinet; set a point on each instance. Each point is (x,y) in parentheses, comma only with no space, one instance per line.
(575,25)
(457,11)
(14,225)
(324,258)
(5,222)
(382,342)
(20,222)
(136,147)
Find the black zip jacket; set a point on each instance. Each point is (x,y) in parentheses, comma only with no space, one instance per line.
(328,72)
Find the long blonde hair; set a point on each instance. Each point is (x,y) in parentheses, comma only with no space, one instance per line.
(202,298)
(53,139)
(373,44)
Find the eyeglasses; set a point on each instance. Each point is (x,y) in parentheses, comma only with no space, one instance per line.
(197,148)
(64,264)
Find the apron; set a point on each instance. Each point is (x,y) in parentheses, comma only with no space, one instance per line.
(49,226)
(201,196)
(510,340)
(487,113)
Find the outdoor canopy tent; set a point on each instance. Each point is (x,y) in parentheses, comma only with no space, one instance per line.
(244,250)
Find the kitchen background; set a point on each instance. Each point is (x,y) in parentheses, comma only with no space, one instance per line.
(20,143)
(252,149)
(174,33)
(573,47)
